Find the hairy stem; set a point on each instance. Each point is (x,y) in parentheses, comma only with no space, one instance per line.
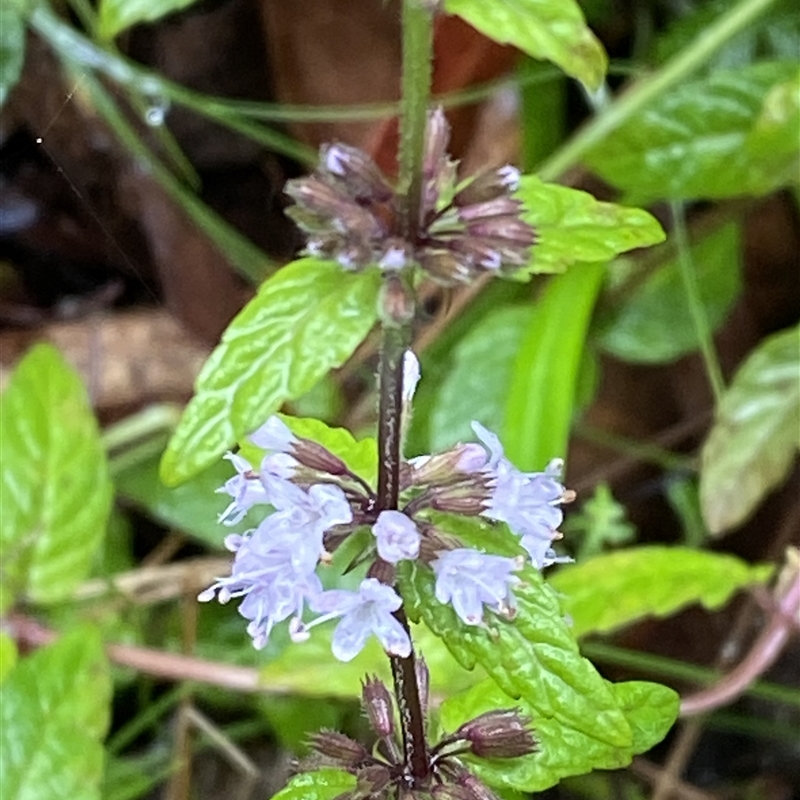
(395,338)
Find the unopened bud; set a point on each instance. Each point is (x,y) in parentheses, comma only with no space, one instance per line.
(377,703)
(382,571)
(314,456)
(444,266)
(463,459)
(355,171)
(499,734)
(423,684)
(339,748)
(372,780)
(489,186)
(434,542)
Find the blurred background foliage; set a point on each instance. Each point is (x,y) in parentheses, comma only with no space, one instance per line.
(144,145)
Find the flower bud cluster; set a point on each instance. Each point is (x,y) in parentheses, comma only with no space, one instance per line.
(380,773)
(352,214)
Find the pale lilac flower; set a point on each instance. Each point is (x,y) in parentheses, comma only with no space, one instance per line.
(470,579)
(274,435)
(527,502)
(397,537)
(264,573)
(245,488)
(365,612)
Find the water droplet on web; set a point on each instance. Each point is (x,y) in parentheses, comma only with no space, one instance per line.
(156,112)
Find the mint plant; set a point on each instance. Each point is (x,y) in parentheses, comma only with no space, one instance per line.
(411,568)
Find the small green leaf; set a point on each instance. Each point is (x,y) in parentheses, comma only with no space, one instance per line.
(56,487)
(305,320)
(555,30)
(468,393)
(54,713)
(753,441)
(534,657)
(116,16)
(12,48)
(612,590)
(601,521)
(654,325)
(571,226)
(650,710)
(324,784)
(8,655)
(726,135)
(541,396)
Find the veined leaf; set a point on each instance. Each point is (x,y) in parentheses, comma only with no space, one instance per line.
(541,396)
(54,712)
(534,657)
(654,325)
(729,134)
(555,30)
(116,16)
(12,47)
(753,441)
(305,320)
(571,226)
(323,784)
(650,710)
(612,590)
(56,487)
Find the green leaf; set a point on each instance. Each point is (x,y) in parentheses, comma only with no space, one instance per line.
(534,657)
(602,522)
(650,710)
(654,325)
(756,434)
(476,386)
(726,135)
(116,16)
(541,397)
(56,488)
(192,508)
(324,784)
(12,48)
(571,226)
(612,590)
(54,712)
(555,30)
(305,320)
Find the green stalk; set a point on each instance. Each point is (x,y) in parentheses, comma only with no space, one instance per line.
(696,308)
(740,17)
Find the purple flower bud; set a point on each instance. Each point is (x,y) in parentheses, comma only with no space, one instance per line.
(372,781)
(377,703)
(355,172)
(339,748)
(488,186)
(424,684)
(499,734)
(397,537)
(314,456)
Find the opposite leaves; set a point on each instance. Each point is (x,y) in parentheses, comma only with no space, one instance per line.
(305,320)
(56,487)
(756,434)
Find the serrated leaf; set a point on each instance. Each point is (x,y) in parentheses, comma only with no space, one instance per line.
(612,590)
(725,135)
(56,488)
(305,320)
(476,386)
(555,30)
(650,710)
(115,16)
(12,48)
(54,712)
(324,784)
(756,434)
(541,395)
(534,657)
(572,226)
(654,325)
(601,521)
